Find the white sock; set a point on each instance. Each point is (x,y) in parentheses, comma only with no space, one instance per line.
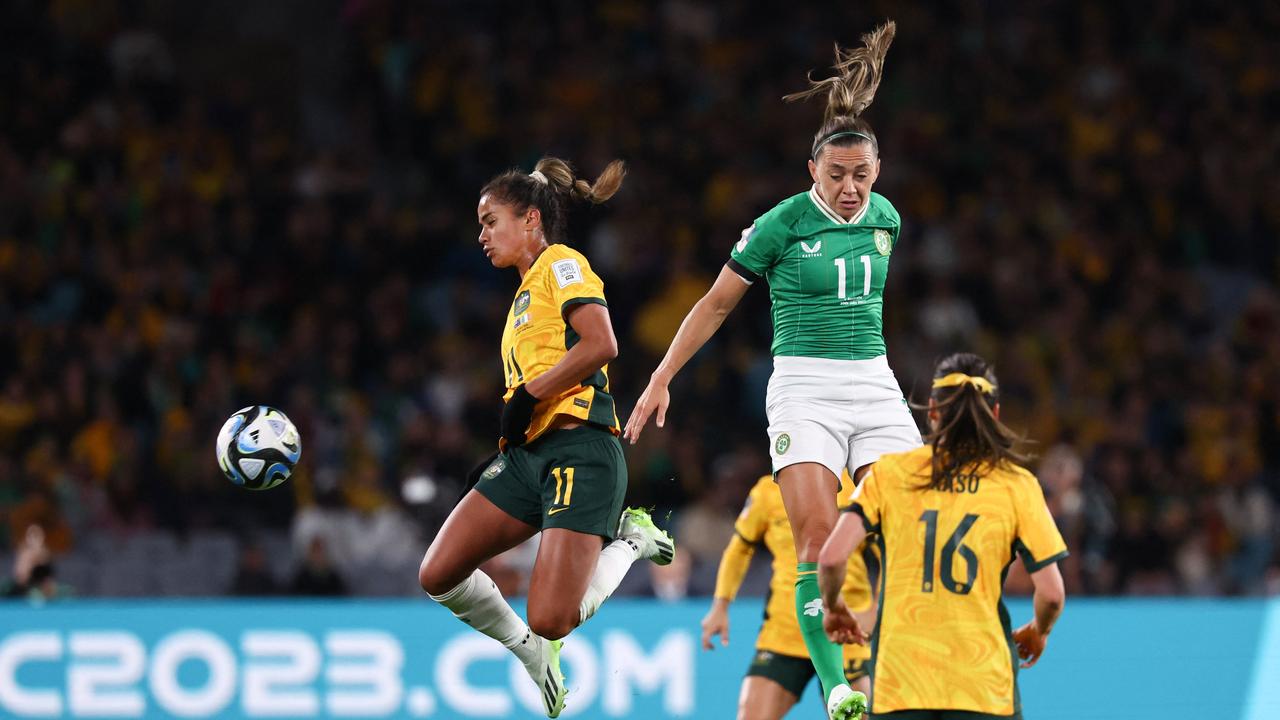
(612,566)
(477,602)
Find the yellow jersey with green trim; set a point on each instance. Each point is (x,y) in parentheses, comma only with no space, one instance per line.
(537,335)
(763,520)
(943,640)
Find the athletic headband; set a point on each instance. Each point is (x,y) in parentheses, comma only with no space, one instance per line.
(955,379)
(837,135)
(537,175)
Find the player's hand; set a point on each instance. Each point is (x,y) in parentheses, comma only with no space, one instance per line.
(1030,643)
(516,416)
(841,626)
(715,623)
(655,397)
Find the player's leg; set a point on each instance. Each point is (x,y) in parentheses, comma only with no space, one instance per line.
(763,699)
(808,494)
(491,519)
(583,491)
(774,683)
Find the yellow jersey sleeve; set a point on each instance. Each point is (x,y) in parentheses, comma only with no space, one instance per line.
(867,498)
(572,282)
(753,521)
(1039,543)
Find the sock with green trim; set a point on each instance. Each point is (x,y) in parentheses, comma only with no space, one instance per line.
(827,657)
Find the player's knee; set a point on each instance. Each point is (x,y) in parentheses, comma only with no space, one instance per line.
(552,623)
(432,579)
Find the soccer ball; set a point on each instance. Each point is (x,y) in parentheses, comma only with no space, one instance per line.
(258,447)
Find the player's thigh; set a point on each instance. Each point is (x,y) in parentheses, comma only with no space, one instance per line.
(884,425)
(803,430)
(809,496)
(763,698)
(584,481)
(561,573)
(474,532)
(774,683)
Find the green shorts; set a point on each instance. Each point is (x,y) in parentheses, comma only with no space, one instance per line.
(941,715)
(794,673)
(573,479)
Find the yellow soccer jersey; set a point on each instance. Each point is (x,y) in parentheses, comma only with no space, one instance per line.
(537,336)
(943,640)
(764,520)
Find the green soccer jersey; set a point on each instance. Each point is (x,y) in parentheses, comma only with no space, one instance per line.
(826,274)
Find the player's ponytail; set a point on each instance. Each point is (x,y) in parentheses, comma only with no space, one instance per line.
(967,438)
(850,92)
(546,188)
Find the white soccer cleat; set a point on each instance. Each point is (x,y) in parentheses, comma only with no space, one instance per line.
(546,674)
(846,703)
(651,541)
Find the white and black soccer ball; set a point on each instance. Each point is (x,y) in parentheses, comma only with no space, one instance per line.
(258,447)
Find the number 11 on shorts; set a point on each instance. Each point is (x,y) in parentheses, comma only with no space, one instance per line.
(564,481)
(840,278)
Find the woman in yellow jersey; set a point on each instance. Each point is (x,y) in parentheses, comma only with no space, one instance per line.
(781,669)
(559,470)
(949,517)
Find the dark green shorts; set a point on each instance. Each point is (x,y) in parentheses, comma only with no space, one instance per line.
(794,673)
(573,479)
(941,715)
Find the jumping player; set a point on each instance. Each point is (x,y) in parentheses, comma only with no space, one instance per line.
(833,403)
(560,469)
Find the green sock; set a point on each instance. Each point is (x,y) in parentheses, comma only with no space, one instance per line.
(827,657)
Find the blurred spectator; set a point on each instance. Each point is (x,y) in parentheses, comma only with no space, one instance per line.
(317,575)
(253,578)
(189,225)
(34,577)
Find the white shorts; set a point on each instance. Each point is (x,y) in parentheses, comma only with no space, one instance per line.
(842,414)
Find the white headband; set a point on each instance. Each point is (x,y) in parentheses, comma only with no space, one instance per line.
(537,175)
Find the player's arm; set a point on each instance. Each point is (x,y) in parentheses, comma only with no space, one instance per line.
(596,347)
(1050,596)
(833,560)
(1041,547)
(593,351)
(733,568)
(698,326)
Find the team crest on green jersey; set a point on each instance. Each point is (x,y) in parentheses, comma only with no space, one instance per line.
(522,301)
(783,444)
(884,241)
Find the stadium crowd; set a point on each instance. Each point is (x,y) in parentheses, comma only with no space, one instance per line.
(205,208)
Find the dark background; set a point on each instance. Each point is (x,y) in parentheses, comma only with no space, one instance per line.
(205,206)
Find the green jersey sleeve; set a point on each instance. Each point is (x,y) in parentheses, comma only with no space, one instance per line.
(760,246)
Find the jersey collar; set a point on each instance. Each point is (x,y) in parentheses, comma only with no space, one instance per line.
(832,215)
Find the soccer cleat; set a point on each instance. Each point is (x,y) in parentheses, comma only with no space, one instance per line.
(846,703)
(547,676)
(650,541)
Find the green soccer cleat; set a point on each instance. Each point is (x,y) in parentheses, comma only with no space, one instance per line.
(846,703)
(651,541)
(551,685)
